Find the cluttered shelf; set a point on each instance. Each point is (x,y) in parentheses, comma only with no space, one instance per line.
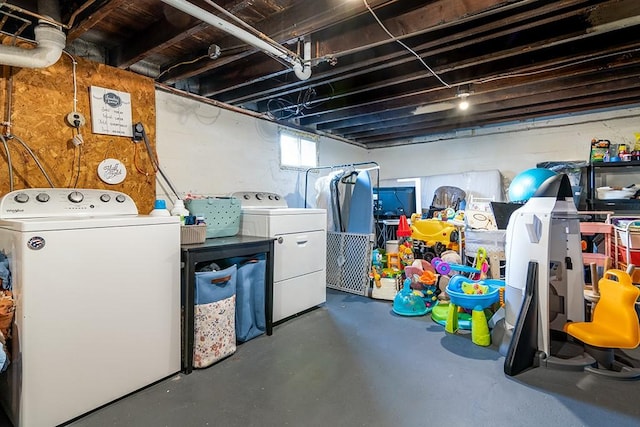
(613,181)
(626,245)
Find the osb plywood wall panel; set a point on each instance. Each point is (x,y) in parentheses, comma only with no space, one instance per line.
(40,100)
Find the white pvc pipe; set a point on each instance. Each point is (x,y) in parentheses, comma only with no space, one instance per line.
(301,69)
(303,72)
(51,41)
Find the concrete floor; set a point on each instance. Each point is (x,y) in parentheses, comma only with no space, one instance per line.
(352,362)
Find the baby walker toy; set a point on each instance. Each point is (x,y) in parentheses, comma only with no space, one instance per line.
(440,312)
(475,295)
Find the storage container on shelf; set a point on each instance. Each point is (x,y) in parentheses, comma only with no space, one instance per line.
(611,193)
(628,231)
(190,234)
(625,255)
(220,213)
(627,244)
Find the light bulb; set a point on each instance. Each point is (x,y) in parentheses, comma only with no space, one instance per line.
(463,95)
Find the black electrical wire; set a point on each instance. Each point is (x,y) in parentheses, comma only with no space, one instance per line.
(154,160)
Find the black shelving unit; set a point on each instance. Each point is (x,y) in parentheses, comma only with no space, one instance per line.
(619,174)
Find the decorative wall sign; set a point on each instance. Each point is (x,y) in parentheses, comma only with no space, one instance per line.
(112,171)
(111,112)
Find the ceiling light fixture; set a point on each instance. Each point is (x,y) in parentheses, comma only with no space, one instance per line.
(463,93)
(434,108)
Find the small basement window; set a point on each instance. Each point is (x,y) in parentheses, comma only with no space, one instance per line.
(298,150)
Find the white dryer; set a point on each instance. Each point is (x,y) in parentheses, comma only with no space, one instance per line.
(299,277)
(97,297)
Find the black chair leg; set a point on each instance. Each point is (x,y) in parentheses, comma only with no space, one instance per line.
(604,356)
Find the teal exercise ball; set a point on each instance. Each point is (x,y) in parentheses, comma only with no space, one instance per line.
(526,183)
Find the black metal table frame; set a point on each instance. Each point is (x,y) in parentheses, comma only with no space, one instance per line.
(212,250)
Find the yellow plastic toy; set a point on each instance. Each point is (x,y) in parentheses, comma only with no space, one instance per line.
(393,260)
(431,231)
(614,325)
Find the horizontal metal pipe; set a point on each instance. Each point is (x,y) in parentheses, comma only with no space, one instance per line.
(273,48)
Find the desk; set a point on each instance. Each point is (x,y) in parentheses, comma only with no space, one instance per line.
(386,229)
(389,229)
(212,250)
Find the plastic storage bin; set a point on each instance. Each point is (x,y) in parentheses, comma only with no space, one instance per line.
(628,230)
(221,214)
(634,256)
(214,316)
(193,234)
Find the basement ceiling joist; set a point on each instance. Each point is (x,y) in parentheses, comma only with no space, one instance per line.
(521,59)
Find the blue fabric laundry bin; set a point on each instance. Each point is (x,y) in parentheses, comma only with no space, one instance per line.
(250,296)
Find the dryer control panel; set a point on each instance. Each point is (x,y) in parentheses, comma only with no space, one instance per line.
(65,202)
(260,199)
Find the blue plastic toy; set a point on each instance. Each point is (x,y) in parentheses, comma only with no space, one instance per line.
(475,295)
(407,303)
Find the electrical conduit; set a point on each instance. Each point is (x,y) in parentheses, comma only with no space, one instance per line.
(301,67)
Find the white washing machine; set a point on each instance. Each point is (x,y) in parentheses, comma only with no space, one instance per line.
(300,255)
(97,295)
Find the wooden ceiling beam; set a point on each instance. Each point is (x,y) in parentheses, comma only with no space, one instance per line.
(94,18)
(302,19)
(263,94)
(551,110)
(559,108)
(515,108)
(356,40)
(170,30)
(444,47)
(490,92)
(517,77)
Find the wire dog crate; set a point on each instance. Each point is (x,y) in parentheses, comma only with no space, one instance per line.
(348,261)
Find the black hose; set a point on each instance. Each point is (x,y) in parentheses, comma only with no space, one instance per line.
(139,128)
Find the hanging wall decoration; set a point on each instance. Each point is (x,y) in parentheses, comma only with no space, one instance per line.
(112,171)
(111,112)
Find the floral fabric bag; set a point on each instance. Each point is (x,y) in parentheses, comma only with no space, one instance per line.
(214,316)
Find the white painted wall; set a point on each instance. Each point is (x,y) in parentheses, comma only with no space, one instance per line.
(510,149)
(207,150)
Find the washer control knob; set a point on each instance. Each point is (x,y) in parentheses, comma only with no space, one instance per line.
(105,197)
(259,196)
(270,196)
(75,197)
(246,197)
(42,197)
(276,197)
(120,198)
(21,198)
